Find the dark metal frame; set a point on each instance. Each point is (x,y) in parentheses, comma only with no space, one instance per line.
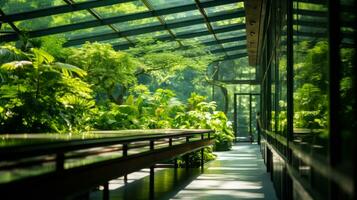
(235,112)
(323,168)
(110,21)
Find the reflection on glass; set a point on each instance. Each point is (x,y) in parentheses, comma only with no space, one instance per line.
(311,80)
(347,88)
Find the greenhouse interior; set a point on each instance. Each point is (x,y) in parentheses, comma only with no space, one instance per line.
(178,99)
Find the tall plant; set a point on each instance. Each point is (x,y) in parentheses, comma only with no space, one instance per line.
(38,94)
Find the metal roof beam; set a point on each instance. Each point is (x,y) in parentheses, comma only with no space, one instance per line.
(250,82)
(116,19)
(143,30)
(235,56)
(234,48)
(208,43)
(87,5)
(208,23)
(59,10)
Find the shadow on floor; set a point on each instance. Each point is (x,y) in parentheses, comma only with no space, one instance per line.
(168,182)
(236,174)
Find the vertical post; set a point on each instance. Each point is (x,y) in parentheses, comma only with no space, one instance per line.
(250,118)
(106,191)
(170,142)
(125,154)
(60,162)
(334,39)
(202,155)
(202,159)
(290,90)
(175,163)
(235,117)
(152,174)
(186,157)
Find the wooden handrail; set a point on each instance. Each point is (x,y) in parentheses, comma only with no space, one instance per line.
(65,181)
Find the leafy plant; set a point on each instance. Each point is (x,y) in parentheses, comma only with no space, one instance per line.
(38,94)
(202,114)
(109,72)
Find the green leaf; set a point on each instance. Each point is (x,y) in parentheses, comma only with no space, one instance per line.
(16,65)
(42,56)
(67,69)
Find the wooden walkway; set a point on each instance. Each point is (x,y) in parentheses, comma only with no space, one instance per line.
(236,174)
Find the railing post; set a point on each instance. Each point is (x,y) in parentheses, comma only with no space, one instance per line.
(152,174)
(106,191)
(202,159)
(125,154)
(175,163)
(170,142)
(60,162)
(202,154)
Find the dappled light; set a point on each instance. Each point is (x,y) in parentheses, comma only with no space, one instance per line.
(178,99)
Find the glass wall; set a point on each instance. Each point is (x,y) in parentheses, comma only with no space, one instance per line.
(311,77)
(347,84)
(308,93)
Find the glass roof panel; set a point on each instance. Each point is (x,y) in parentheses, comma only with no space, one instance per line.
(117,41)
(186,15)
(227,7)
(219,24)
(140,23)
(158,4)
(236,43)
(214,47)
(236,52)
(231,34)
(16,6)
(121,9)
(190,29)
(149,35)
(88,32)
(205,38)
(54,20)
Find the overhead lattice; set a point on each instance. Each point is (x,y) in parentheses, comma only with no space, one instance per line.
(219,24)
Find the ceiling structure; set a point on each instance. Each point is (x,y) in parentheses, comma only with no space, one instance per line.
(218,24)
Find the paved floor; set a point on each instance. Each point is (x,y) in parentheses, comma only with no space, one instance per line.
(236,174)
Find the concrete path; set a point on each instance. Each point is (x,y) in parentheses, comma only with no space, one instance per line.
(236,174)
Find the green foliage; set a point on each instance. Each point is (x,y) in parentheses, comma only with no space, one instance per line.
(38,94)
(107,69)
(142,109)
(201,114)
(311,80)
(310,119)
(162,110)
(309,97)
(172,66)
